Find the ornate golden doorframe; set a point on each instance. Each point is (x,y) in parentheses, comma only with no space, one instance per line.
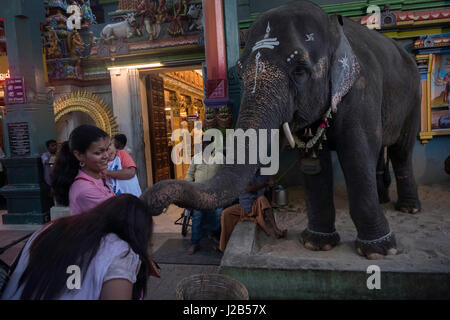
(89,103)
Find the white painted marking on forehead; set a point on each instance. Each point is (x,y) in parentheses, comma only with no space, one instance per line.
(267,31)
(309,37)
(268,43)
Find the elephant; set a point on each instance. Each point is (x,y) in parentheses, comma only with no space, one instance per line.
(329,84)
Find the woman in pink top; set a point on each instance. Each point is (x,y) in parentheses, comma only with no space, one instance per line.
(78,178)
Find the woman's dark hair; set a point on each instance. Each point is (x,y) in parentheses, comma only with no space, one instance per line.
(66,165)
(75,240)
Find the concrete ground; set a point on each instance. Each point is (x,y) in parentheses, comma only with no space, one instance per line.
(284,269)
(164,288)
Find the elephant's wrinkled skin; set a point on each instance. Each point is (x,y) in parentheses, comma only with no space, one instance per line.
(308,62)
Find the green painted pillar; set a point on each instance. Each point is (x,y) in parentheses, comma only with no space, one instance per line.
(232,45)
(28,124)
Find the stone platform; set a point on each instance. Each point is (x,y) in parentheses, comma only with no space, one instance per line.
(283,269)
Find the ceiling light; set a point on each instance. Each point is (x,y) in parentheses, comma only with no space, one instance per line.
(138,66)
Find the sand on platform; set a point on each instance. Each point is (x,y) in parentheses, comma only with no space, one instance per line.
(423,239)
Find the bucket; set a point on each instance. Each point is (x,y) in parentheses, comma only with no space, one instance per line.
(210,287)
(281,196)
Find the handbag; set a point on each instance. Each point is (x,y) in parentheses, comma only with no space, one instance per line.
(5,269)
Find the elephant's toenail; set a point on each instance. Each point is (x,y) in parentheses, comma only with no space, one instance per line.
(392,252)
(359,251)
(327,247)
(414,210)
(375,256)
(310,246)
(405,210)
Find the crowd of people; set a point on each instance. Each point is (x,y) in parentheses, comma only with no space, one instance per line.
(108,234)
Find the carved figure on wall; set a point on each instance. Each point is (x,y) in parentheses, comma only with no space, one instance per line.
(147,11)
(70,71)
(78,72)
(210,118)
(175,27)
(58,3)
(92,40)
(196,15)
(161,15)
(58,72)
(75,44)
(121,30)
(198,105)
(53,42)
(88,15)
(57,20)
(125,5)
(161,12)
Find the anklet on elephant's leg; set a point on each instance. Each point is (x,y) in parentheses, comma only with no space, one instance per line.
(382,245)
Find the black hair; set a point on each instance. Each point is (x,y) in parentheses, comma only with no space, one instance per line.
(75,240)
(121,139)
(66,166)
(49,142)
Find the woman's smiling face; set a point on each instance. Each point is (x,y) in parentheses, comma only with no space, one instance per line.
(96,156)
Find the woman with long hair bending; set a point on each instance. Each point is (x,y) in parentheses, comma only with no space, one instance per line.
(78,176)
(108,246)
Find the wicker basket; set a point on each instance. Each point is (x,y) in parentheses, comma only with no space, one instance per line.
(210,287)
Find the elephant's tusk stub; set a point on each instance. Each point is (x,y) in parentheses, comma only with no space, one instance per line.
(288,134)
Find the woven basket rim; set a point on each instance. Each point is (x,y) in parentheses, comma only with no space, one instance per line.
(210,276)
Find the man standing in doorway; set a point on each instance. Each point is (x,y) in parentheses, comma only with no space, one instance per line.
(48,160)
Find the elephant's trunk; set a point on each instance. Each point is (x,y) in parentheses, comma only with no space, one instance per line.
(258,111)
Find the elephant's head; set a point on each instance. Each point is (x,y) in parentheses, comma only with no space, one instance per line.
(296,65)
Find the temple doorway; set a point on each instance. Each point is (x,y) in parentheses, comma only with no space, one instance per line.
(174,100)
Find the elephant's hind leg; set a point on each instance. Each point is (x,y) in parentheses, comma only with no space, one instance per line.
(401,158)
(320,233)
(408,200)
(383,177)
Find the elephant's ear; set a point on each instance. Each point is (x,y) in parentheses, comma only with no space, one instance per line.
(344,65)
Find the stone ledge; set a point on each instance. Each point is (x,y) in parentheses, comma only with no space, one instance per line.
(59,212)
(283,269)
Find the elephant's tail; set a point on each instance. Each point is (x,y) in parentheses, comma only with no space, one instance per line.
(387,173)
(383,176)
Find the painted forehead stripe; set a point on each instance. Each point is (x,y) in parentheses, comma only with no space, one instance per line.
(268,43)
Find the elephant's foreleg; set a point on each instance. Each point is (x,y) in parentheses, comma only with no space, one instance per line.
(320,233)
(358,160)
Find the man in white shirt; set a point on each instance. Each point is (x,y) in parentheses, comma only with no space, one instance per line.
(48,159)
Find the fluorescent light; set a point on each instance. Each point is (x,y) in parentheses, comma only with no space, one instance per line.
(138,66)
